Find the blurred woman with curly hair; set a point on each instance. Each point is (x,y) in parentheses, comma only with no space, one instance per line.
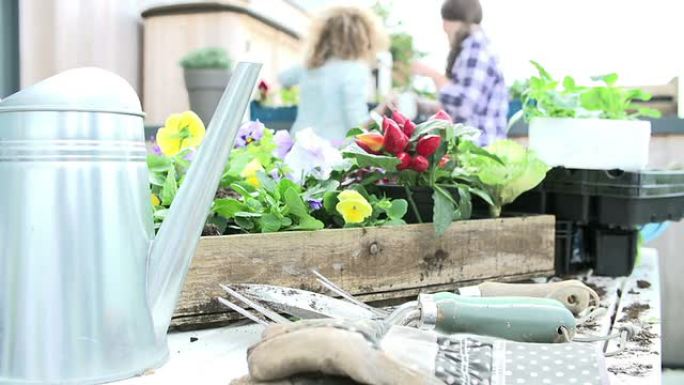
(334,82)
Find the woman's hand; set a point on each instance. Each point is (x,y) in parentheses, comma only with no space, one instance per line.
(422,69)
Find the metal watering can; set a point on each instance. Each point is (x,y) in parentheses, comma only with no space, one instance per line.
(86,290)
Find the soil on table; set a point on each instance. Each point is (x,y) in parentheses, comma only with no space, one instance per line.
(641,284)
(601,291)
(633,369)
(633,311)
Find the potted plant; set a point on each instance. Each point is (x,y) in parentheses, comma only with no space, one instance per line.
(587,127)
(206,72)
(438,167)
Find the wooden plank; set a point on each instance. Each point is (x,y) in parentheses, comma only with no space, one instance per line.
(639,305)
(388,262)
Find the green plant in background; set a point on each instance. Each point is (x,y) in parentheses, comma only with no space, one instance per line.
(515,91)
(544,96)
(401,46)
(289,96)
(206,58)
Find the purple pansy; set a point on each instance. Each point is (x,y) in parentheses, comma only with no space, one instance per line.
(156,149)
(284,141)
(248,133)
(315,204)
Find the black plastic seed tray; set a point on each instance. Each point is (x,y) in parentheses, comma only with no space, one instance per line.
(608,251)
(611,198)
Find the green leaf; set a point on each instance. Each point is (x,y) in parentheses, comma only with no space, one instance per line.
(254,205)
(354,131)
(161,214)
(330,202)
(157,178)
(295,204)
(398,209)
(267,183)
(443,211)
(286,184)
(228,207)
(157,163)
(309,223)
(364,159)
(269,223)
(542,71)
(649,112)
(242,189)
(169,189)
(609,79)
(472,148)
(244,223)
(285,222)
(247,214)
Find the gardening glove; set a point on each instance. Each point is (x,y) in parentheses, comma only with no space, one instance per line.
(371,352)
(334,348)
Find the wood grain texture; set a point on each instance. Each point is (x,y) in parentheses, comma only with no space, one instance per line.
(375,263)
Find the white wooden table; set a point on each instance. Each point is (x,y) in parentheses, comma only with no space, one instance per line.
(216,356)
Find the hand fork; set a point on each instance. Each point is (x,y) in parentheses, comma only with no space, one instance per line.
(515,318)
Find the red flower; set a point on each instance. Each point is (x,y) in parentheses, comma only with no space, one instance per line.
(443,162)
(428,144)
(371,142)
(420,163)
(263,86)
(408,128)
(386,122)
(399,117)
(405,161)
(395,140)
(441,115)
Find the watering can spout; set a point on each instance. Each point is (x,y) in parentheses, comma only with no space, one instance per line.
(174,246)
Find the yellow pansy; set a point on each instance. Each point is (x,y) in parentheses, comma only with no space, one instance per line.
(353,207)
(250,172)
(181,131)
(155,200)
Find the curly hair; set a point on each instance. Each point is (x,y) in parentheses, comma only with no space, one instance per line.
(345,32)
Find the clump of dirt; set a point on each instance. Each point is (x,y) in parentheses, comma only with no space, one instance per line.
(644,338)
(631,291)
(641,284)
(193,339)
(634,369)
(599,290)
(226,193)
(633,311)
(211,229)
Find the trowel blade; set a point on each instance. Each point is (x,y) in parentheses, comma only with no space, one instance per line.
(301,303)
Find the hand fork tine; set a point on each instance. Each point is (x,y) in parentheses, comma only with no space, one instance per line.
(268,313)
(342,293)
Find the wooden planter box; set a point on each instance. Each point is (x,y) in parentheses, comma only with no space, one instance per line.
(379,263)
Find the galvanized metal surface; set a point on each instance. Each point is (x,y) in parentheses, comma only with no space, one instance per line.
(80,303)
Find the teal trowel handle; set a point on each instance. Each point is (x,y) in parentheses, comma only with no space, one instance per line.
(524,319)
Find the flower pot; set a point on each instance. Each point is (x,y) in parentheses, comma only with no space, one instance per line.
(422,197)
(276,118)
(597,144)
(205,87)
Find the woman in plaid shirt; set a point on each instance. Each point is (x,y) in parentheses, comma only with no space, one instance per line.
(473,90)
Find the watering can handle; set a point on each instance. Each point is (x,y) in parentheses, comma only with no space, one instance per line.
(524,319)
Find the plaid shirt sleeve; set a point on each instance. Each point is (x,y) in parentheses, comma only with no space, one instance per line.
(471,97)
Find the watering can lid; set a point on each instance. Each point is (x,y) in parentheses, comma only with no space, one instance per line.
(86,89)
